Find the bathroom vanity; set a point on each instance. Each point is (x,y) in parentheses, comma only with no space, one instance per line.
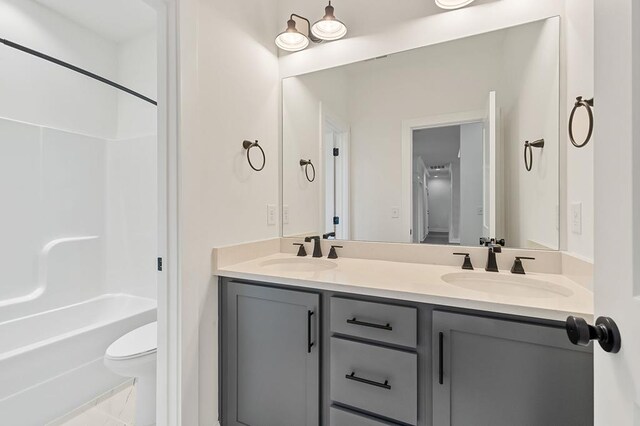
(314,342)
(444,149)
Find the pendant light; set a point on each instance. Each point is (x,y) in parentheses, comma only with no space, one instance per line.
(329,28)
(291,39)
(453,4)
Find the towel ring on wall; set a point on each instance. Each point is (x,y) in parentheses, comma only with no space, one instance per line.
(248,145)
(586,103)
(528,152)
(306,164)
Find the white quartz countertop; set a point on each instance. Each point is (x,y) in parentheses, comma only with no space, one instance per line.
(417,283)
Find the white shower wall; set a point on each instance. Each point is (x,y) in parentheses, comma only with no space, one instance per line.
(77,159)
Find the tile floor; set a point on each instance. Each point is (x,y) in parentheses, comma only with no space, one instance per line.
(114,408)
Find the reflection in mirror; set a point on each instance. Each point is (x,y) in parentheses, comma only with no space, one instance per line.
(427,146)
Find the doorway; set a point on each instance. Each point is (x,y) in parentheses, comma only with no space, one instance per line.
(447,184)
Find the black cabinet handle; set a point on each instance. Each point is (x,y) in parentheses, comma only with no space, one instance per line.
(370,324)
(309,342)
(355,378)
(441,358)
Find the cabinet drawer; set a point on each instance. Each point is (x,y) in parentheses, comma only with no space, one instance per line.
(376,321)
(375,379)
(341,417)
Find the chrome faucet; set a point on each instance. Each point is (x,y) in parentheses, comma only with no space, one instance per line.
(317,250)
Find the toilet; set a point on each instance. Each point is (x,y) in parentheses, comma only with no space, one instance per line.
(134,355)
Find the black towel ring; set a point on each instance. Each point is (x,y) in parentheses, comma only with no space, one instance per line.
(528,148)
(586,103)
(248,145)
(306,164)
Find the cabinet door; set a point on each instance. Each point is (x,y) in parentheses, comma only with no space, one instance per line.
(272,356)
(497,372)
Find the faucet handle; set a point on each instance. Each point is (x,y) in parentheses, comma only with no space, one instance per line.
(301,251)
(517,267)
(467,260)
(332,252)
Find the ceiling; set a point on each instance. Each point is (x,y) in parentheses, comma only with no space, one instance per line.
(115,20)
(437,146)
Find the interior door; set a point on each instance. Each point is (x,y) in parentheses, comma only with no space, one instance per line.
(616,180)
(489,159)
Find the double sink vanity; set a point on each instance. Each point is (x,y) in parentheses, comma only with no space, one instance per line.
(361,340)
(405,162)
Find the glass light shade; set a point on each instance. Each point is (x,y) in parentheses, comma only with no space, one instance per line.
(291,39)
(329,28)
(453,4)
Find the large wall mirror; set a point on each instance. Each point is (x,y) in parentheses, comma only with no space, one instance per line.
(444,144)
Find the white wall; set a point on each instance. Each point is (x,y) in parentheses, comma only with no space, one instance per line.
(530,111)
(41,93)
(439,204)
(578,80)
(305,101)
(230,91)
(137,69)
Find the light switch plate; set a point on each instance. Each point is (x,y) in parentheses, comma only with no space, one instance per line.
(576,218)
(271,214)
(285,214)
(395,212)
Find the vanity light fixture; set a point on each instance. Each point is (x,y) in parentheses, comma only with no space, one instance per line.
(326,29)
(453,4)
(291,39)
(329,28)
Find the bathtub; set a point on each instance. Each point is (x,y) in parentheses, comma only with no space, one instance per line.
(51,362)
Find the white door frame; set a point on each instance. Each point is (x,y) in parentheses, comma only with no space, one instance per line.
(169,343)
(408,126)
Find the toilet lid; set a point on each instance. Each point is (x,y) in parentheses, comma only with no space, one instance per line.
(141,341)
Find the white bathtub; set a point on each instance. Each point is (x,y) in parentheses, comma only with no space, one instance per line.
(51,362)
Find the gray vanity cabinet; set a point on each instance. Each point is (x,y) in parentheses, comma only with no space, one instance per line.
(271,362)
(497,372)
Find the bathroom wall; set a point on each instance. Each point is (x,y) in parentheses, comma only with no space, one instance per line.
(310,96)
(439,204)
(229,92)
(58,137)
(37,92)
(530,111)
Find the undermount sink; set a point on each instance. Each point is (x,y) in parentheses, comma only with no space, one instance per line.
(506,285)
(299,264)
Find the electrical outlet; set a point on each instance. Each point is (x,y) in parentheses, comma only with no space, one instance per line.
(285,214)
(576,218)
(395,212)
(271,214)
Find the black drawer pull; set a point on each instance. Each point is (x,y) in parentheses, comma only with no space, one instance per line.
(370,324)
(440,358)
(309,342)
(355,378)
